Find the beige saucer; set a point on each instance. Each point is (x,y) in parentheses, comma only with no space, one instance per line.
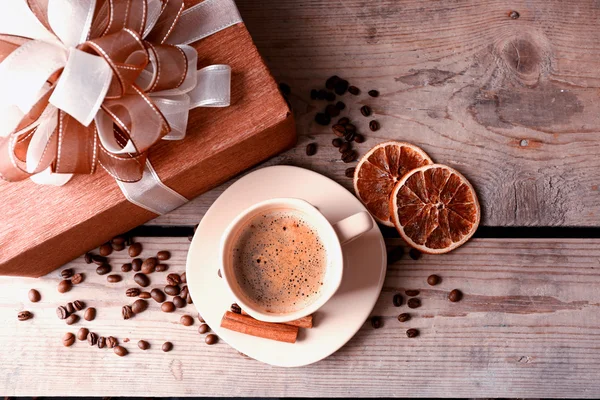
(340,318)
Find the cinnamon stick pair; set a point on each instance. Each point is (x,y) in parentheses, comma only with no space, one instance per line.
(244,323)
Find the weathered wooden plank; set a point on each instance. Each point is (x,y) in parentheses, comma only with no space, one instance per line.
(528,326)
(511,103)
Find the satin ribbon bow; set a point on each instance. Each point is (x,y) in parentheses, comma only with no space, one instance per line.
(88,81)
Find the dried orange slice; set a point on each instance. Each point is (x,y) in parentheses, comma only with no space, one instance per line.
(378,171)
(435,209)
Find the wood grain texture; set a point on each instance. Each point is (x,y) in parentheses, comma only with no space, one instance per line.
(528,326)
(510,103)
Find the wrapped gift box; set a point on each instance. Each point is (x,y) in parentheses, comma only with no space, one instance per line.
(43,227)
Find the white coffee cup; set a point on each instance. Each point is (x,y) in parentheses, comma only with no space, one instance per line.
(333,236)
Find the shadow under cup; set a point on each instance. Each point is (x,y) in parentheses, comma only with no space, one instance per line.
(333,256)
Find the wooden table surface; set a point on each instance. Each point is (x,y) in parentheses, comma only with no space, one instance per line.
(511,103)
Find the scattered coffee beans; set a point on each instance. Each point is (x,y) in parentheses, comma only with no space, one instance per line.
(330,96)
(235,308)
(34,296)
(92,339)
(136,264)
(120,239)
(455,295)
(126,267)
(167,346)
(82,333)
(415,254)
(219,273)
(183,278)
(322,119)
(70,308)
(353,90)
(161,268)
(77,279)
(332,110)
(337,142)
(395,254)
(376,322)
(145,295)
(186,320)
(344,147)
(200,318)
(433,280)
(167,306)
(173,279)
(111,342)
(118,246)
(343,121)
(339,130)
(341,86)
(365,111)
(374,126)
(412,332)
(141,279)
(140,305)
(211,339)
(143,345)
(71,319)
(99,260)
(179,302)
(149,265)
(412,293)
(414,302)
(103,269)
(359,138)
(397,300)
(373,93)
(350,172)
(311,149)
(105,250)
(127,312)
(158,295)
(188,298)
(89,314)
(202,329)
(349,156)
(135,250)
(132,292)
(88,258)
(404,317)
(331,82)
(24,315)
(120,351)
(78,305)
(340,105)
(349,136)
(184,292)
(66,273)
(68,339)
(64,286)
(114,278)
(101,342)
(322,94)
(61,312)
(172,290)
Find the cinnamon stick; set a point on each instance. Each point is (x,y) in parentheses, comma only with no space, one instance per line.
(250,326)
(304,322)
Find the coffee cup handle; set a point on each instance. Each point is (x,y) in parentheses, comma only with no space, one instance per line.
(352,227)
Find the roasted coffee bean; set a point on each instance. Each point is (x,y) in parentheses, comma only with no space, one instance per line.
(330,96)
(514,15)
(114,278)
(139,306)
(349,136)
(172,290)
(341,86)
(158,295)
(235,308)
(179,302)
(353,90)
(415,254)
(188,298)
(411,292)
(322,119)
(132,292)
(68,339)
(61,312)
(70,308)
(149,265)
(66,273)
(359,138)
(373,93)
(163,255)
(337,142)
(136,264)
(101,342)
(203,328)
(350,128)
(184,291)
(340,105)
(82,333)
(395,255)
(365,111)
(173,279)
(374,125)
(339,130)
(200,318)
(433,280)
(64,286)
(167,306)
(183,278)
(321,94)
(111,342)
(313,94)
(331,82)
(412,332)
(332,110)
(92,339)
(285,89)
(161,268)
(71,319)
(404,317)
(89,314)
(414,302)
(219,273)
(455,295)
(145,295)
(118,246)
(99,260)
(88,258)
(78,305)
(376,322)
(103,269)
(135,250)
(211,339)
(343,121)
(120,351)
(186,320)
(126,312)
(143,345)
(397,300)
(349,156)
(141,279)
(345,147)
(105,250)
(34,296)
(167,346)
(126,267)
(350,172)
(77,279)
(311,149)
(120,239)
(24,315)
